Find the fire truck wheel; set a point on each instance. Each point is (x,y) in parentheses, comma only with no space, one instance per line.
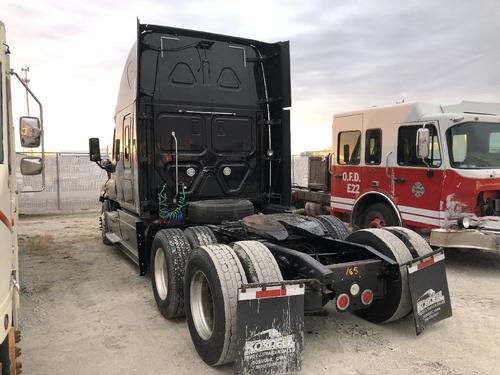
(396,303)
(213,276)
(218,210)
(379,215)
(258,262)
(417,245)
(334,226)
(169,254)
(199,236)
(104,224)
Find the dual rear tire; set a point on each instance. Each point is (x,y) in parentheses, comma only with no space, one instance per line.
(401,245)
(192,275)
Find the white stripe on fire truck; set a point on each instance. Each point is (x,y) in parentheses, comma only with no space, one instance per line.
(271,292)
(422,219)
(341,206)
(342,200)
(423,212)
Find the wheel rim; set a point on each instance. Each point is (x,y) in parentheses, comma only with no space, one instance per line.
(202,306)
(161,274)
(376,222)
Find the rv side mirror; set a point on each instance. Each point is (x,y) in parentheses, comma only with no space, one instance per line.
(31,165)
(423,140)
(94,150)
(346,154)
(30,131)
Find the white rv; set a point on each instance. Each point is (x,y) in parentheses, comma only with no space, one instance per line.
(31,134)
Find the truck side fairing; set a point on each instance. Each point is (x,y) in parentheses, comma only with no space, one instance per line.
(224,98)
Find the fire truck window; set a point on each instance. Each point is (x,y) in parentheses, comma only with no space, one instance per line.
(407,148)
(373,147)
(459,147)
(494,143)
(349,148)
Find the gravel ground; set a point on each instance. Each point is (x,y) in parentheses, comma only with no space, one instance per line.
(85,310)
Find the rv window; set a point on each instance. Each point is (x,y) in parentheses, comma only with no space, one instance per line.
(1,115)
(127,149)
(348,150)
(117,149)
(373,146)
(407,147)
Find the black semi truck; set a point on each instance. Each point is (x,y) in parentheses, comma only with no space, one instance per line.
(199,196)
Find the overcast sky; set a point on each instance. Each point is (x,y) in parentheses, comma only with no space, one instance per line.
(345,55)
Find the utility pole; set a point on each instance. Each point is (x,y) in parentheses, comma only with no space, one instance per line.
(26,81)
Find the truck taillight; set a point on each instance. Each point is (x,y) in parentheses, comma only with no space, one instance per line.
(343,302)
(366,297)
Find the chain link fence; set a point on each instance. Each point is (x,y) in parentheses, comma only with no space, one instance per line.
(72,183)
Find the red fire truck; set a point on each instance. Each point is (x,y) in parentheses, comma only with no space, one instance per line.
(424,166)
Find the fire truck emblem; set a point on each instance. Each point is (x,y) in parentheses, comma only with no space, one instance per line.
(418,189)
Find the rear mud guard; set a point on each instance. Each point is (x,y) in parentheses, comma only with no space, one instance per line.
(270,323)
(429,290)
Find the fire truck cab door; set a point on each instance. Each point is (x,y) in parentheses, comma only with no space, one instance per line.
(346,176)
(417,182)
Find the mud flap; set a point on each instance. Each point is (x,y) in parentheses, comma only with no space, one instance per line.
(270,322)
(429,290)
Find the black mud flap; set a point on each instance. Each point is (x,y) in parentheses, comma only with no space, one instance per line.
(429,290)
(270,321)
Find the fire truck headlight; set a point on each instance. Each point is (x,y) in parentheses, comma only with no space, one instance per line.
(464,222)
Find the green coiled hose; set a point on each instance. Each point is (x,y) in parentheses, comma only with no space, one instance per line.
(165,211)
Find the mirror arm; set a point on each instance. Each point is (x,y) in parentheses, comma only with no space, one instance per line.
(13,73)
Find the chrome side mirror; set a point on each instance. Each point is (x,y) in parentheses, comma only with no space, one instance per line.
(31,165)
(30,131)
(423,141)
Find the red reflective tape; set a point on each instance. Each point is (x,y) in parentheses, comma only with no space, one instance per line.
(270,293)
(425,263)
(4,219)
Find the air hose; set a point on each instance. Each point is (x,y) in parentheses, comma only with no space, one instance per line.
(166,212)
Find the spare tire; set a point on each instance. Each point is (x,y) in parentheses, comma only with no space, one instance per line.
(218,210)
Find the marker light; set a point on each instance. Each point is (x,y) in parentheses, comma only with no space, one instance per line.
(354,289)
(464,222)
(342,302)
(366,297)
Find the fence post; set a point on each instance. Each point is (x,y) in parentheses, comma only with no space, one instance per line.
(58,186)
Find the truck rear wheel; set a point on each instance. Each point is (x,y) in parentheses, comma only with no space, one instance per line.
(379,215)
(199,236)
(334,226)
(213,276)
(104,224)
(396,303)
(417,245)
(258,262)
(169,254)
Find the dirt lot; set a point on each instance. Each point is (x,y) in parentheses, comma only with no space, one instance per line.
(85,310)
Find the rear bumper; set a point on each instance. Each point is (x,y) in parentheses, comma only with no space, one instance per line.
(466,239)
